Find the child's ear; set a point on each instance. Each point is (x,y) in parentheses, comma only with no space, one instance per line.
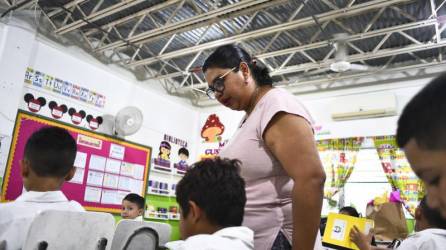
(70,174)
(24,168)
(195,212)
(140,211)
(418,214)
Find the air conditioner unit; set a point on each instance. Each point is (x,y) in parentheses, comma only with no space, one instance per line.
(363,106)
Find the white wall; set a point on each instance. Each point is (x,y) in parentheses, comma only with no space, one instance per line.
(21,48)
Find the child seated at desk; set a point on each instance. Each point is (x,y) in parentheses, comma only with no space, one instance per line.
(133,207)
(212,199)
(47,163)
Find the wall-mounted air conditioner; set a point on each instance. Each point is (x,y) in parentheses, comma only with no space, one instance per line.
(363,106)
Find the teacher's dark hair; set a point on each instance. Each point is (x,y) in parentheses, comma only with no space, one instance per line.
(230,56)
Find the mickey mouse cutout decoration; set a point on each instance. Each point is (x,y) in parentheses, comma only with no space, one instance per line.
(57,111)
(94,122)
(76,117)
(34,105)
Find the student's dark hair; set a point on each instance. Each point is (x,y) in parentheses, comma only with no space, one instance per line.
(424,117)
(183,151)
(230,56)
(137,199)
(432,216)
(51,152)
(217,188)
(350,211)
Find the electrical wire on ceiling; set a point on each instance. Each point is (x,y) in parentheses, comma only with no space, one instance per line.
(329,39)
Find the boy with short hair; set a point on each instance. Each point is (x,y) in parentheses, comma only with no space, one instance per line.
(212,199)
(47,163)
(133,207)
(422,134)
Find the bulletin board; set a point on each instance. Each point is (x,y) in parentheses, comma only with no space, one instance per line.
(107,168)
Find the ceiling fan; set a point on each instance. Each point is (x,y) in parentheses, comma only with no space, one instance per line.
(340,62)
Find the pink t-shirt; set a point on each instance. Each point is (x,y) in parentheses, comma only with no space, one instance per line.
(268,187)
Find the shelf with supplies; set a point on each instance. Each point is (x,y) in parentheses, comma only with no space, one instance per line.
(175,172)
(162,216)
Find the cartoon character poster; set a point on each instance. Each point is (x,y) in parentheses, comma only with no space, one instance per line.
(59,111)
(182,166)
(172,156)
(212,132)
(212,129)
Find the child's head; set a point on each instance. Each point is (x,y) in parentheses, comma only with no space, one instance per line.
(183,153)
(132,206)
(422,133)
(211,196)
(349,211)
(48,159)
(426,217)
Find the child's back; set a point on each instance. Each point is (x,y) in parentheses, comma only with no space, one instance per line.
(47,164)
(212,199)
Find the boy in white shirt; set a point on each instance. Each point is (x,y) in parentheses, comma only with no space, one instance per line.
(212,199)
(133,207)
(47,163)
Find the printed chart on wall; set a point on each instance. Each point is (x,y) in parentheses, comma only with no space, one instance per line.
(107,168)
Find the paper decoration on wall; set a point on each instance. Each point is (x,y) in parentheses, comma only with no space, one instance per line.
(76,117)
(34,105)
(55,85)
(100,181)
(93,122)
(179,158)
(182,167)
(210,153)
(3,154)
(57,111)
(162,162)
(212,129)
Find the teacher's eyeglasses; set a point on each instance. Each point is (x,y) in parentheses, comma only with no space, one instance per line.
(218,85)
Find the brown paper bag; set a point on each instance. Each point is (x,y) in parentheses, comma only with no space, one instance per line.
(390,222)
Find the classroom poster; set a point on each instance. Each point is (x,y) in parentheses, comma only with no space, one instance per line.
(4,143)
(107,168)
(214,135)
(72,90)
(172,156)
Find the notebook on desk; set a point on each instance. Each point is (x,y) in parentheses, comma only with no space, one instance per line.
(337,231)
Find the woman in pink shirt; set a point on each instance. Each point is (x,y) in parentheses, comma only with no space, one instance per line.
(275,143)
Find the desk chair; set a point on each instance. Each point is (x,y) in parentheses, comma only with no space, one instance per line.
(132,234)
(53,229)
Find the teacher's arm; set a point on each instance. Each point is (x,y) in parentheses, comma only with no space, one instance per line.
(290,139)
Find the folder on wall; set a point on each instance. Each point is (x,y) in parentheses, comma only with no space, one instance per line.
(337,230)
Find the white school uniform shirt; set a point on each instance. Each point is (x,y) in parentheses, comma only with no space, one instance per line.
(16,216)
(139,218)
(234,238)
(428,239)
